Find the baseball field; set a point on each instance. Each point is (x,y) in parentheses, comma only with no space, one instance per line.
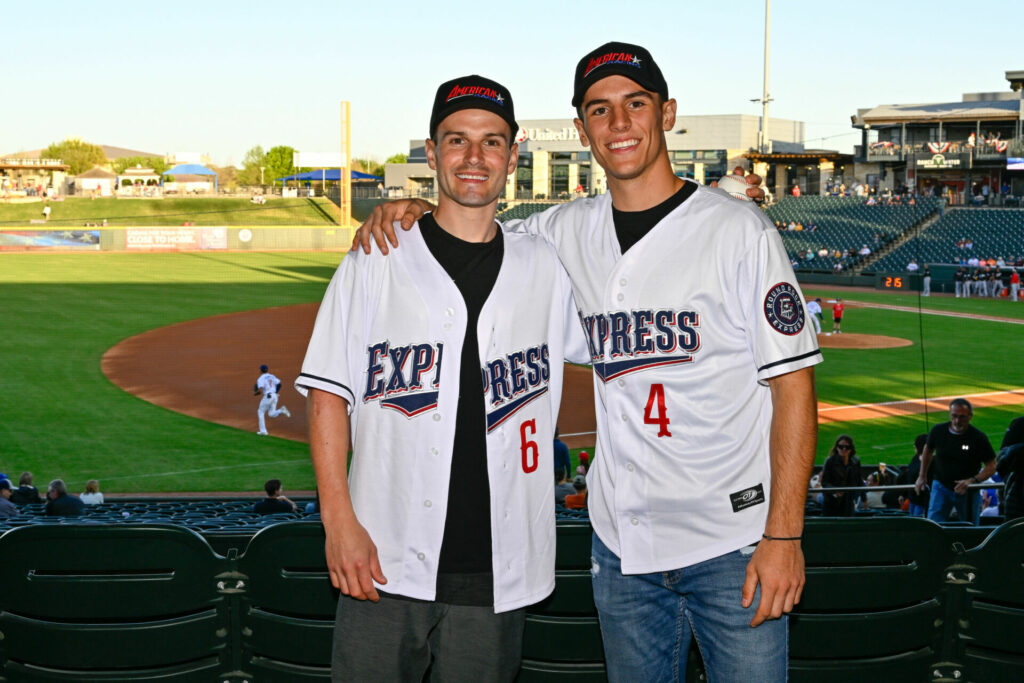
(64,417)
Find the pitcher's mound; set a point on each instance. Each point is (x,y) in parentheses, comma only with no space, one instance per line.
(860,341)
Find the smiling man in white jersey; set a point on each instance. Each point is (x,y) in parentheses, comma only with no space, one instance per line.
(443,531)
(704,387)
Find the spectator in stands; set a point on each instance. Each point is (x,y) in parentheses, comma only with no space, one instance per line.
(989,503)
(865,250)
(61,503)
(26,493)
(585,461)
(883,476)
(1010,466)
(562,487)
(562,461)
(578,500)
(92,495)
(275,501)
(7,508)
(795,191)
(912,267)
(842,468)
(958,449)
(917,503)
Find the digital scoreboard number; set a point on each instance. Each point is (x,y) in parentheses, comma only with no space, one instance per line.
(890,281)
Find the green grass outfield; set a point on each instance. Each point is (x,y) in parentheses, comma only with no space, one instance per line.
(61,417)
(74,212)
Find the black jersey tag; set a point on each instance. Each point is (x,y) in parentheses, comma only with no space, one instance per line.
(741,500)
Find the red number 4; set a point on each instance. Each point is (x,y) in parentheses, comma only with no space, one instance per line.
(528,446)
(657,393)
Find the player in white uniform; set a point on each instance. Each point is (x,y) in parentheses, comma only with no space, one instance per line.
(814,313)
(268,385)
(705,394)
(385,364)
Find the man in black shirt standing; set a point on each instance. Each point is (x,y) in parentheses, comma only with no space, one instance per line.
(957,450)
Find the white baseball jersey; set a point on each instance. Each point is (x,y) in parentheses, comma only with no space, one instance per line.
(267,383)
(684,331)
(388,339)
(813,307)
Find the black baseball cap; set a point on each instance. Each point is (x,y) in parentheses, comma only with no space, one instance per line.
(264,368)
(5,484)
(472,92)
(618,59)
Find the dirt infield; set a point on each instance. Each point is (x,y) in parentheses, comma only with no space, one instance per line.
(206,368)
(860,341)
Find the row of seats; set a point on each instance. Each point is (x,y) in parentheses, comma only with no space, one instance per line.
(885,599)
(995,233)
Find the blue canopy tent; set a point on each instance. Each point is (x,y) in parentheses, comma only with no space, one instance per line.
(333,174)
(191,169)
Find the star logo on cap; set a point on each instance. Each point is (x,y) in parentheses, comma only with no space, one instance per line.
(501,100)
(636,60)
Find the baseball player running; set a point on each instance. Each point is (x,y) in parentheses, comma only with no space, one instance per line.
(443,530)
(269,386)
(815,314)
(705,393)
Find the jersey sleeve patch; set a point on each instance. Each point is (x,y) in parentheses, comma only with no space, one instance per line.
(784,310)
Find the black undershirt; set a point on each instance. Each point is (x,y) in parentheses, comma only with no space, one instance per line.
(464,568)
(631,226)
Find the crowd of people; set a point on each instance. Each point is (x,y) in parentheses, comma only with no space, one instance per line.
(951,476)
(59,502)
(986,281)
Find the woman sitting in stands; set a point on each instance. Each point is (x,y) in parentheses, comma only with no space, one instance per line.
(92,495)
(841,469)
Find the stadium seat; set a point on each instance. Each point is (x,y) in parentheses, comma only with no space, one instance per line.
(992,577)
(871,606)
(105,602)
(289,604)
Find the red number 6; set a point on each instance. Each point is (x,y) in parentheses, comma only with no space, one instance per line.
(529,447)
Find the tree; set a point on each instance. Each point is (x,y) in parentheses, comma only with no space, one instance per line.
(279,162)
(78,154)
(156,163)
(368,166)
(400,158)
(251,163)
(227,176)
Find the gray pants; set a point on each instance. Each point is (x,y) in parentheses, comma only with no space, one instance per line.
(927,289)
(398,640)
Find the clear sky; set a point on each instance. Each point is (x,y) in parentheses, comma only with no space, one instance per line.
(220,77)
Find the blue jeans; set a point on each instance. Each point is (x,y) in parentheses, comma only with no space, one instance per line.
(945,499)
(647,621)
(916,510)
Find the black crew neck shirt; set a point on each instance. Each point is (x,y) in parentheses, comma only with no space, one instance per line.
(631,226)
(958,456)
(464,568)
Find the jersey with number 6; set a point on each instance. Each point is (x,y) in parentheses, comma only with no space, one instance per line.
(388,339)
(684,331)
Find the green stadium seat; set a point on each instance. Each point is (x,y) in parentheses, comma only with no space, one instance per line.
(993,615)
(105,603)
(289,604)
(871,605)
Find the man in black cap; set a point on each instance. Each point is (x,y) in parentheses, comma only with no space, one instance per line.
(704,393)
(443,531)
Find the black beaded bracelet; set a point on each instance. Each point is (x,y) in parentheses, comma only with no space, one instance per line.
(781,538)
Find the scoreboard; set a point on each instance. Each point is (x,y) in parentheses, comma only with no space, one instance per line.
(893,281)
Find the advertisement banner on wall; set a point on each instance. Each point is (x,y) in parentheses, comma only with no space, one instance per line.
(176,239)
(50,239)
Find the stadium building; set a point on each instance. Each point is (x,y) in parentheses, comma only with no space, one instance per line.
(959,150)
(553,163)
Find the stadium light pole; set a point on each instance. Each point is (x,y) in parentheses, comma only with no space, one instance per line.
(764,146)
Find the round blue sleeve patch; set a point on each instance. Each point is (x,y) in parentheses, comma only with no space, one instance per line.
(784,309)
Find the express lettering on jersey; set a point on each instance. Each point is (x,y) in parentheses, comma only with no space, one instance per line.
(612,58)
(513,381)
(403,378)
(622,342)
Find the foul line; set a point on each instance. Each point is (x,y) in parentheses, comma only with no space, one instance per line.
(207,469)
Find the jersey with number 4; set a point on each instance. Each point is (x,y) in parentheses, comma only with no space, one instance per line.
(388,339)
(684,331)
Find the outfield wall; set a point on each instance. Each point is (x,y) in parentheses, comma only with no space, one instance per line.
(179,238)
